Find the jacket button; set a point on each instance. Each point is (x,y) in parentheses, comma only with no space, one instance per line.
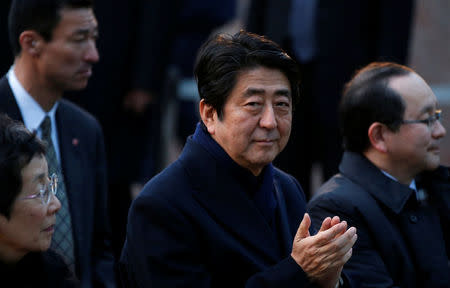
(413,218)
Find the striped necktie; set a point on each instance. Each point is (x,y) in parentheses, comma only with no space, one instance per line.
(62,241)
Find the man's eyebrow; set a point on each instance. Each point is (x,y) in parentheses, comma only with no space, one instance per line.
(85,31)
(428,108)
(283,92)
(254,91)
(257,91)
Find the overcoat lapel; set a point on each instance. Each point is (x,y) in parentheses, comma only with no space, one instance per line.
(8,103)
(71,163)
(219,193)
(392,249)
(289,219)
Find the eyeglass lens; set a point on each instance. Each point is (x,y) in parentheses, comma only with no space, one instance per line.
(436,117)
(51,188)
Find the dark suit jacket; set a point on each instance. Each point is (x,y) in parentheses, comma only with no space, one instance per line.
(83,166)
(193,225)
(400,242)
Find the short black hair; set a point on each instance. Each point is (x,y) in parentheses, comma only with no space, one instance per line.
(41,16)
(17,147)
(222,57)
(367,98)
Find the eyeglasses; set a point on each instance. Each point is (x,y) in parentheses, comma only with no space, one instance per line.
(46,191)
(430,121)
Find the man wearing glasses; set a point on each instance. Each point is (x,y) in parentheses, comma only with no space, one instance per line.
(391,186)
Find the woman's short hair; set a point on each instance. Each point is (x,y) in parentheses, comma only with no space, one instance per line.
(17,147)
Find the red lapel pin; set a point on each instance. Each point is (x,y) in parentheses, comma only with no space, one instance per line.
(75,141)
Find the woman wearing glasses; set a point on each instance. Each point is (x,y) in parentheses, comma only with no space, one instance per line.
(27,212)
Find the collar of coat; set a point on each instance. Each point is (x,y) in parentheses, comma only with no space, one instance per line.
(388,191)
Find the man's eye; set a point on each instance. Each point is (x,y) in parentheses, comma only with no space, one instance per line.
(80,38)
(282,104)
(252,104)
(431,120)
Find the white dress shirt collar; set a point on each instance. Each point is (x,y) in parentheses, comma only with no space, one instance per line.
(412,185)
(420,194)
(32,112)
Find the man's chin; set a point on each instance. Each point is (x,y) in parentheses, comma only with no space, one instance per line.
(433,163)
(263,160)
(80,85)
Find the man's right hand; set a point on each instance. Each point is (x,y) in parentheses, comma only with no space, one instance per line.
(323,255)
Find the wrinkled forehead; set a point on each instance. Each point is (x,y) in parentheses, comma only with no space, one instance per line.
(416,94)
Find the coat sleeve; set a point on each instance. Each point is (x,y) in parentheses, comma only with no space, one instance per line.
(366,267)
(162,250)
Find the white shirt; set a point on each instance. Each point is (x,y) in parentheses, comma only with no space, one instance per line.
(32,112)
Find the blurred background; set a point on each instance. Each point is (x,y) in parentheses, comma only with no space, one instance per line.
(430,56)
(144,95)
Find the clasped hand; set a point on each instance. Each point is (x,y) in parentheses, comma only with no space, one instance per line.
(323,255)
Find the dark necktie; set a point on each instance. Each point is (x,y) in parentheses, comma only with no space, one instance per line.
(62,241)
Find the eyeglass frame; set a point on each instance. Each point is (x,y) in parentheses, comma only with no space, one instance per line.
(51,187)
(430,121)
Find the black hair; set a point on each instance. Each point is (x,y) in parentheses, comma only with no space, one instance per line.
(367,98)
(17,147)
(41,16)
(223,57)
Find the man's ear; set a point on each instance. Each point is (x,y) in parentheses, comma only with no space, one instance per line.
(208,115)
(31,42)
(377,136)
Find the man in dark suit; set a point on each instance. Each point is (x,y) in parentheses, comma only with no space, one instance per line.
(391,186)
(54,47)
(222,215)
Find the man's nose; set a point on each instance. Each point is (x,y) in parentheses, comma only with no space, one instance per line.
(268,118)
(439,130)
(91,54)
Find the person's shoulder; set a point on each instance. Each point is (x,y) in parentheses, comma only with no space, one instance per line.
(77,115)
(183,176)
(339,196)
(289,185)
(6,95)
(3,84)
(171,184)
(168,193)
(282,176)
(338,189)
